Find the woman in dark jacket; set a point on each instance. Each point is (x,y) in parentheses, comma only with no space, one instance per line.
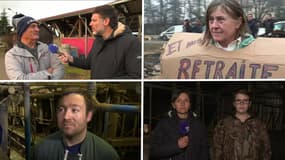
(179,136)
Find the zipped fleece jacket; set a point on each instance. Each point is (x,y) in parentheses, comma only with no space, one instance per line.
(22,65)
(236,140)
(164,140)
(92,148)
(118,57)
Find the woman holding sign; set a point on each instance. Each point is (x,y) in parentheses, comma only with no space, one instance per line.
(226,26)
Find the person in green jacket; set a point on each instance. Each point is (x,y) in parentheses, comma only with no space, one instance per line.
(226,26)
(73,141)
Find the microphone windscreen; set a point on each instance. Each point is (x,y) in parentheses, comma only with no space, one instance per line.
(184,127)
(53,48)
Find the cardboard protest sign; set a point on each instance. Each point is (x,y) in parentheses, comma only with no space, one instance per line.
(185,58)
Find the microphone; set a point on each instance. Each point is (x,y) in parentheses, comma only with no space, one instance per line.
(53,48)
(184,127)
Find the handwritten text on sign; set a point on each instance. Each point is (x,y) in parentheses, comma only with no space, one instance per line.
(185,58)
(221,70)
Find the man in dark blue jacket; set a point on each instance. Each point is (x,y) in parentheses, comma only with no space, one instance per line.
(268,24)
(252,24)
(115,54)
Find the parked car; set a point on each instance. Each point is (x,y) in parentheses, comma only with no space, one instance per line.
(279,29)
(167,34)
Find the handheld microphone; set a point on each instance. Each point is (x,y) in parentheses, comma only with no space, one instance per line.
(184,127)
(53,48)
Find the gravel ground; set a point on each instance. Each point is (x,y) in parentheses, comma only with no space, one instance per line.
(152,52)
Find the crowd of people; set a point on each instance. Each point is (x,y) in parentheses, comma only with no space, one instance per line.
(254,24)
(195,26)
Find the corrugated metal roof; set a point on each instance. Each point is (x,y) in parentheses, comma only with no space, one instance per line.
(134,7)
(70,14)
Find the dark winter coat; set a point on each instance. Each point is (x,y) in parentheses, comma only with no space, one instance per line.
(236,140)
(187,28)
(269,25)
(165,136)
(118,57)
(197,28)
(253,26)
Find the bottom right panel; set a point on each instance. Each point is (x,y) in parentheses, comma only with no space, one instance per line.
(233,120)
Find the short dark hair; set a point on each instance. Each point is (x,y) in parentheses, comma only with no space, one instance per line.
(242,91)
(107,11)
(87,101)
(176,94)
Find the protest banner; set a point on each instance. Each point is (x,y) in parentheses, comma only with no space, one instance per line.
(185,58)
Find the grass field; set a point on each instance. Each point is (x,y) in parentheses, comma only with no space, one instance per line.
(74,73)
(3,75)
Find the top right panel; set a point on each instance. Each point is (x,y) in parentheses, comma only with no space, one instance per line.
(219,39)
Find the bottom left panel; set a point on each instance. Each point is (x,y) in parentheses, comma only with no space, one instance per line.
(70,120)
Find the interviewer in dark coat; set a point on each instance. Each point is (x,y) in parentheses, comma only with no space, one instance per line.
(180,135)
(115,54)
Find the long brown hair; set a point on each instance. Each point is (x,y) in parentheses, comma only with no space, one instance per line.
(231,7)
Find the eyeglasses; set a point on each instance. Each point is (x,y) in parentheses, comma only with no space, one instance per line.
(242,101)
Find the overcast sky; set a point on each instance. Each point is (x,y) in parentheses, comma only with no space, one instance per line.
(43,9)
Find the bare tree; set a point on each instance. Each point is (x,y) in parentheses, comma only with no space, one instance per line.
(175,11)
(261,7)
(150,11)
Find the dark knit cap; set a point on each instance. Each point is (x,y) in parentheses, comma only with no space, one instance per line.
(21,23)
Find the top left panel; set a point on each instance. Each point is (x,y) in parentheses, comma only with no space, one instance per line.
(70,40)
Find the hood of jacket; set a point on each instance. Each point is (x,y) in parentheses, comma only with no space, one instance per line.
(120,30)
(173,114)
(247,39)
(21,51)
